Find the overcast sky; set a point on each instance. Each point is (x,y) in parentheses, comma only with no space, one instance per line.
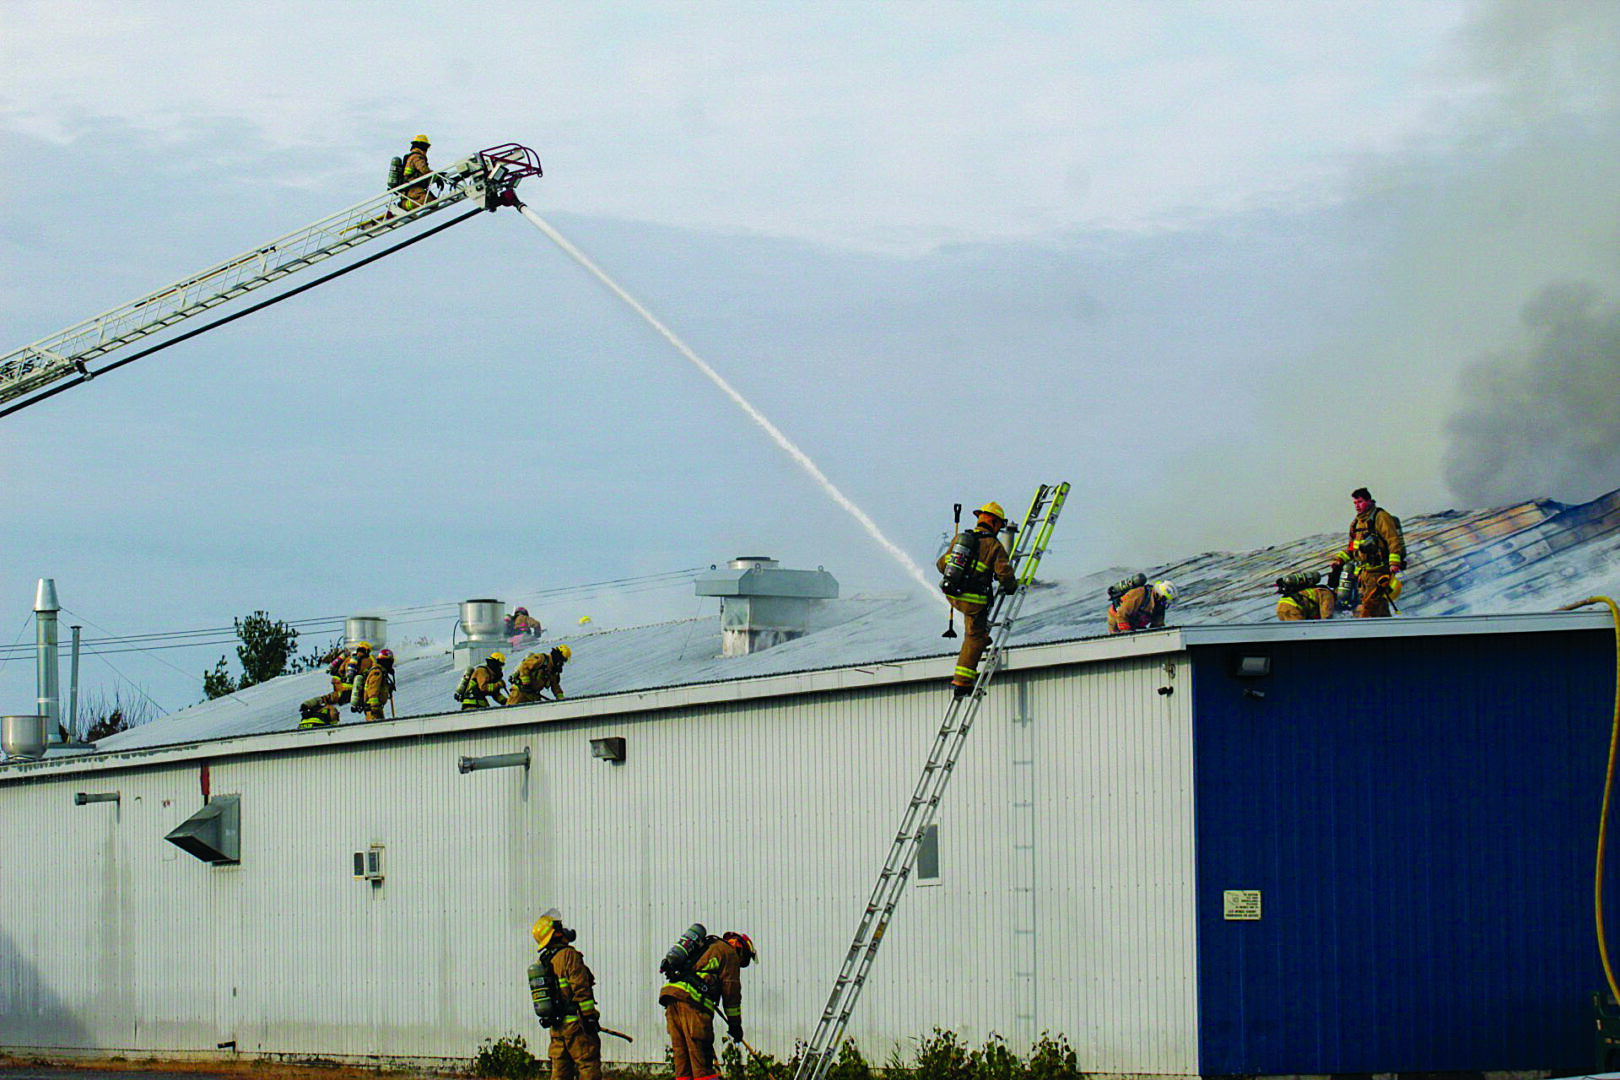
(1214,263)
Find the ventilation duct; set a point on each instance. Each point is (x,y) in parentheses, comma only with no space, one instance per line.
(214,833)
(22,737)
(484,623)
(47,655)
(762,604)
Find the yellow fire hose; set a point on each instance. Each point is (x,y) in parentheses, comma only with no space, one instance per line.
(1608,789)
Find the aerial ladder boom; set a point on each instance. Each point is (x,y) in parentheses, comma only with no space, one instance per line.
(487,179)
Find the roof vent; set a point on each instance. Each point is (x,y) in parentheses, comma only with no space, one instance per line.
(763,605)
(372,629)
(214,833)
(484,622)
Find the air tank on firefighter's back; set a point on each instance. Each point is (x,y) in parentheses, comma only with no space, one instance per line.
(22,737)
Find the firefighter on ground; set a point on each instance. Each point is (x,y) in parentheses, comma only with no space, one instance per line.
(520,624)
(978,560)
(416,165)
(538,672)
(1375,552)
(355,670)
(1300,597)
(691,997)
(1139,605)
(483,683)
(378,689)
(576,1041)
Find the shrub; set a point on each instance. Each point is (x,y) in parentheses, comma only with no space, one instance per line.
(507,1058)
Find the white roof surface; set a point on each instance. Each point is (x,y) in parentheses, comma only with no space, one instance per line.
(1526,558)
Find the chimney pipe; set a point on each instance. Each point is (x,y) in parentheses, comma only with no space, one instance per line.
(45,651)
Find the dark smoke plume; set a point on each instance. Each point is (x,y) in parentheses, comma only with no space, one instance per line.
(1544,421)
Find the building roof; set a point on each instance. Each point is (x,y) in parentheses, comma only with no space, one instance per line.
(1528,557)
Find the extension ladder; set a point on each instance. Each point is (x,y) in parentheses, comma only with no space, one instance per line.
(1029,545)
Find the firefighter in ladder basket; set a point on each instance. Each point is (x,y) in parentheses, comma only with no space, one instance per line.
(974,560)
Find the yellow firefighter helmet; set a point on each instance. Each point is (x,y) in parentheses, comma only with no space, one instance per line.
(567,653)
(423,139)
(497,658)
(994,509)
(544,925)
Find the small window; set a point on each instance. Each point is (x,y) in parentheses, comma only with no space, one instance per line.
(928,857)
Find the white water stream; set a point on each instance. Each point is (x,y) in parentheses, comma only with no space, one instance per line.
(754,414)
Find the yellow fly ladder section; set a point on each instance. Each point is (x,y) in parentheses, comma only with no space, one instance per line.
(487,176)
(1028,547)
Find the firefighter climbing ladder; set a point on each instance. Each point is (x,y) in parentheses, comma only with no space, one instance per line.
(488,178)
(1028,546)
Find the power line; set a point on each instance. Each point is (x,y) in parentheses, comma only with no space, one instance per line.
(216,636)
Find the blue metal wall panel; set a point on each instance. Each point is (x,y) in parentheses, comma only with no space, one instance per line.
(1420,815)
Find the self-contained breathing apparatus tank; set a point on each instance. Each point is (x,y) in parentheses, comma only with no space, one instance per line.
(1305,579)
(684,953)
(959,562)
(1120,588)
(545,991)
(1347,585)
(396,172)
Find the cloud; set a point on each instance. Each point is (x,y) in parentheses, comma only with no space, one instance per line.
(892,125)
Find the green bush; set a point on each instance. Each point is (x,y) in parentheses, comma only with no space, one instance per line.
(507,1058)
(850,1064)
(1053,1059)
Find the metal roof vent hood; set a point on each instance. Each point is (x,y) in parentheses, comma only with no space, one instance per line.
(484,623)
(762,604)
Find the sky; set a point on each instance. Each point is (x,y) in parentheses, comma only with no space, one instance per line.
(1214,263)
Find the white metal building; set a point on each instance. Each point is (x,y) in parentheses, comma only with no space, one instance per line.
(764,805)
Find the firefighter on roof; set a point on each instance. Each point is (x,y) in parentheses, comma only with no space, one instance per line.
(1375,551)
(355,670)
(562,990)
(974,560)
(483,683)
(378,688)
(521,625)
(539,671)
(1134,604)
(713,980)
(317,712)
(1300,597)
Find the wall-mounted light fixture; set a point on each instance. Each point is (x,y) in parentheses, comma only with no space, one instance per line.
(609,749)
(494,761)
(1252,667)
(84,798)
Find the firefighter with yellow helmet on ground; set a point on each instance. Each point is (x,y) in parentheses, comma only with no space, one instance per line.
(562,990)
(973,561)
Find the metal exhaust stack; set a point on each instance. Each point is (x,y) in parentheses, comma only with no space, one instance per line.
(49,680)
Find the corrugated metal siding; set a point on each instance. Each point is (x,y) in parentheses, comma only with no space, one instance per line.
(771,816)
(1420,816)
